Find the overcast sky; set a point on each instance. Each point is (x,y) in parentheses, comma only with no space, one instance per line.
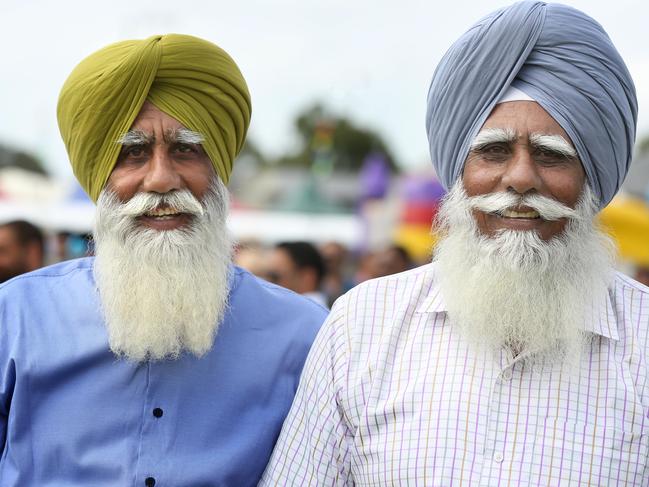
(370,60)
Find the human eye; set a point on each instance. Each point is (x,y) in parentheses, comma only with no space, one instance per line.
(493,151)
(188,149)
(552,157)
(133,152)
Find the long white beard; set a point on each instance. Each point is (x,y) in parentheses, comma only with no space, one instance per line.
(162,292)
(516,290)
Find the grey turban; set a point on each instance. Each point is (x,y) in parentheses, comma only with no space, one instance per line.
(561,58)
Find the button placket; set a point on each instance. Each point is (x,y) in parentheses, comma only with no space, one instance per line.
(154,431)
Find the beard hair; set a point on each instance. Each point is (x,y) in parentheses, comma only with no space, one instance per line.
(516,290)
(162,292)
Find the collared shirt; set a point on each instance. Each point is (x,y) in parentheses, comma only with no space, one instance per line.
(73,414)
(391,395)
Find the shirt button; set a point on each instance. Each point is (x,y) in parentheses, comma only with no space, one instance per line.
(507,374)
(149,482)
(157,412)
(498,457)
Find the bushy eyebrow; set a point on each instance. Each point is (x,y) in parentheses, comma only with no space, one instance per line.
(548,142)
(173,136)
(553,143)
(493,136)
(183,136)
(136,137)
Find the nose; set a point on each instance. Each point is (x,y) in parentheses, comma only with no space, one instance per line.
(521,173)
(162,175)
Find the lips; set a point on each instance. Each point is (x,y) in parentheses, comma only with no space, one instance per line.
(165,218)
(530,214)
(162,213)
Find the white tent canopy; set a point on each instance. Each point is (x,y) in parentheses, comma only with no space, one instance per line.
(266,227)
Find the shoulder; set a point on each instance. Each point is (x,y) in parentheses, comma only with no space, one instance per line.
(628,293)
(386,295)
(248,285)
(630,302)
(52,277)
(381,309)
(49,304)
(622,281)
(257,299)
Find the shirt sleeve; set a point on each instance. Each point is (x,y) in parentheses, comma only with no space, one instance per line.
(314,446)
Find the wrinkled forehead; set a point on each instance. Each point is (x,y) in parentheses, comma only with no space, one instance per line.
(523,119)
(548,142)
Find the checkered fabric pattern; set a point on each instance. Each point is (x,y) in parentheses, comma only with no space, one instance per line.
(392,396)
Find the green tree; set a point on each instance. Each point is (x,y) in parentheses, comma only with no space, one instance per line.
(10,157)
(251,150)
(329,139)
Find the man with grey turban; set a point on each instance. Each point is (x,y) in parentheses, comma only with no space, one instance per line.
(518,356)
(157,362)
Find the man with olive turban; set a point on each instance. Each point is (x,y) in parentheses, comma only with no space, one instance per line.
(518,356)
(157,362)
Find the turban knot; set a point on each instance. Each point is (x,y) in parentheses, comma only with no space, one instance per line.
(561,58)
(190,79)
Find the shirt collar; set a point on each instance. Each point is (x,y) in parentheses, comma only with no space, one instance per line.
(603,320)
(434,301)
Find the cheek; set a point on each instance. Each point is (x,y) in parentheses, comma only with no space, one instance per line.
(198,178)
(567,188)
(478,180)
(199,186)
(123,184)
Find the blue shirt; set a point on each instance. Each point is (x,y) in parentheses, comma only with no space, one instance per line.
(73,414)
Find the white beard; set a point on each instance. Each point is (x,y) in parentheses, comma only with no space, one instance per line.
(162,292)
(514,289)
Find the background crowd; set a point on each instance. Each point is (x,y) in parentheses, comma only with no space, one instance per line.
(337,210)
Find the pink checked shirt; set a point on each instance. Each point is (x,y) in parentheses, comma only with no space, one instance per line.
(392,396)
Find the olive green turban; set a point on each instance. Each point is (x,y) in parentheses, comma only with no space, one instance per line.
(190,79)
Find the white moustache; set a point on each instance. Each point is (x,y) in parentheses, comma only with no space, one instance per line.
(181,201)
(509,204)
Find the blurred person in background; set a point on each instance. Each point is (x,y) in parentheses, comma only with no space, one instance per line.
(253,257)
(364,266)
(298,266)
(641,274)
(69,245)
(518,356)
(22,249)
(157,362)
(391,260)
(337,279)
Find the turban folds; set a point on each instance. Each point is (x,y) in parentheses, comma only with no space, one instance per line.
(561,58)
(190,79)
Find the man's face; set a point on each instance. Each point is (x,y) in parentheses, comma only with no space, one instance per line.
(283,271)
(160,155)
(13,257)
(523,150)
